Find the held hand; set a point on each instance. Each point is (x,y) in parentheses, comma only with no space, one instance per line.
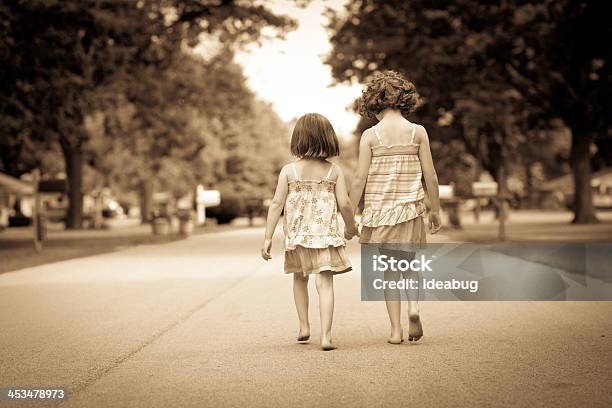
(349,233)
(265,250)
(434,222)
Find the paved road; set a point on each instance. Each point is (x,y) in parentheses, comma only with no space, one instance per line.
(203,322)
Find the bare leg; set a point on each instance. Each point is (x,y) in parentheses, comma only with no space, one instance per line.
(413,295)
(415,328)
(394,308)
(300,295)
(325,288)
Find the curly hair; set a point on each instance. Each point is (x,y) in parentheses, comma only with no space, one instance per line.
(388,90)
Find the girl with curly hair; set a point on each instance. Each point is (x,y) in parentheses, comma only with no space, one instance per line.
(394,156)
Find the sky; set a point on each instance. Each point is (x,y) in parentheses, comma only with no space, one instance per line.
(290,73)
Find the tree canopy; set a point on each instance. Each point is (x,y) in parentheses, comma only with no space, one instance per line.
(491,73)
(66,61)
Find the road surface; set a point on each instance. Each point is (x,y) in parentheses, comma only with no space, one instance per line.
(205,322)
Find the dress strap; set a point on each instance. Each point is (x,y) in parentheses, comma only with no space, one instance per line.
(413,132)
(330,171)
(377,136)
(294,171)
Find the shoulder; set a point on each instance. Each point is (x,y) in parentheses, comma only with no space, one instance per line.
(287,169)
(335,171)
(367,137)
(420,134)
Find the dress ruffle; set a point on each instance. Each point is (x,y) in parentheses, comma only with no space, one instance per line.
(313,241)
(316,260)
(393,215)
(408,235)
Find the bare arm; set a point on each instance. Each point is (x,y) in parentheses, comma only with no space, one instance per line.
(431,180)
(361,173)
(344,205)
(274,212)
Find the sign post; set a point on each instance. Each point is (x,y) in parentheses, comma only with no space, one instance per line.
(38,221)
(205,198)
(450,203)
(490,189)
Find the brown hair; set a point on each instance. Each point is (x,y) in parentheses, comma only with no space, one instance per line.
(388,90)
(313,136)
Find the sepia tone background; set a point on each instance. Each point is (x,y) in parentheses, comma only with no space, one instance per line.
(140,144)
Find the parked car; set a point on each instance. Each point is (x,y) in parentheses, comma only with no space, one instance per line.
(231,206)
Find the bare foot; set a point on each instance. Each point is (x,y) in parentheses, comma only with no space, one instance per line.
(415,328)
(397,336)
(304,335)
(327,345)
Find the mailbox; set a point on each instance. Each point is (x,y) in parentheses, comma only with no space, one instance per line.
(484,189)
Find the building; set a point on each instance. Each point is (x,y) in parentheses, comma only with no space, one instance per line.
(559,192)
(14,191)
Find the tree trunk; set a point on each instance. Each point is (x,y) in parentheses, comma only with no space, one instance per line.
(146,200)
(73,156)
(532,191)
(584,211)
(502,199)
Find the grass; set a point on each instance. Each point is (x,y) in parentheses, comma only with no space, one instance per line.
(17,249)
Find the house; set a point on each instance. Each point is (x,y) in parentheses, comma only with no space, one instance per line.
(560,191)
(12,190)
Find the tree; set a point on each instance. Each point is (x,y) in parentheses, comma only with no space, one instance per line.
(62,60)
(561,63)
(59,55)
(470,61)
(198,124)
(419,40)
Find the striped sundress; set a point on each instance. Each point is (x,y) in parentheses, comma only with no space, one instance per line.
(394,197)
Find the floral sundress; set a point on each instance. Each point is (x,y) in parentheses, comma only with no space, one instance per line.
(312,237)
